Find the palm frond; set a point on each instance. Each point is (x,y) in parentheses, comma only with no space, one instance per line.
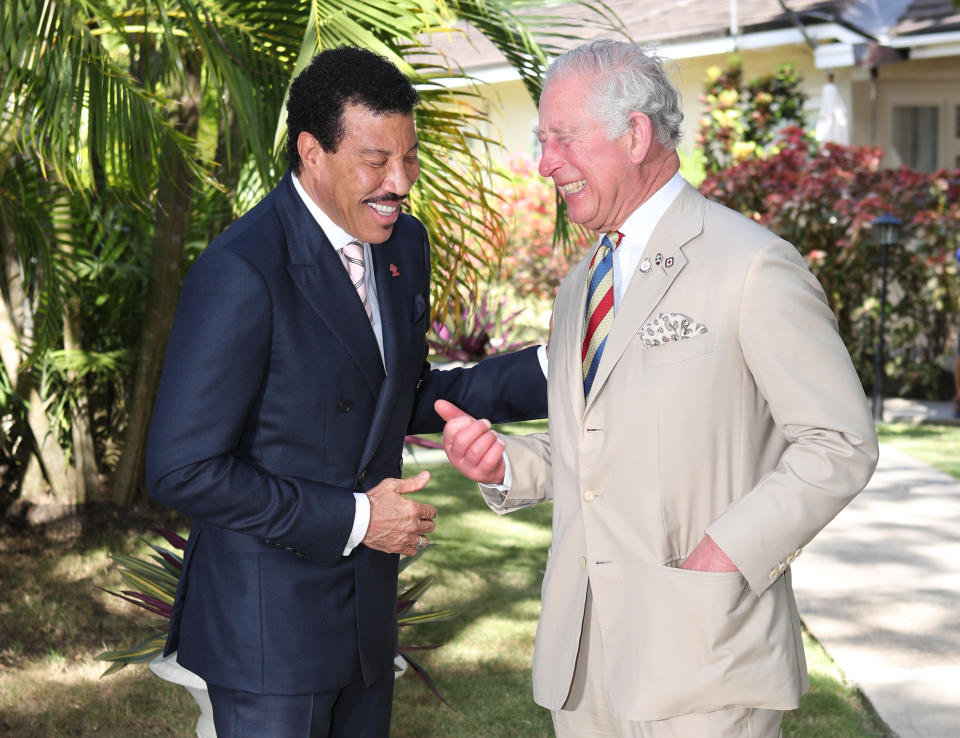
(67,92)
(415,591)
(141,653)
(424,677)
(434,616)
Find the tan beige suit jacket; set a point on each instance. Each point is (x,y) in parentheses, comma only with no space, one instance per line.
(756,432)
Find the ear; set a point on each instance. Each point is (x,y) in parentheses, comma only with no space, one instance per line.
(641,137)
(309,148)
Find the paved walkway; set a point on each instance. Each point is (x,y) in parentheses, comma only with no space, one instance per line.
(880,588)
(918,411)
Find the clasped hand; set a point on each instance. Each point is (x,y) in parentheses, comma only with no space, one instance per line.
(399,524)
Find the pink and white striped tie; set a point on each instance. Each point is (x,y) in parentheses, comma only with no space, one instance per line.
(357,270)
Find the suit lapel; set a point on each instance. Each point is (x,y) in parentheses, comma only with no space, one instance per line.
(395,322)
(318,273)
(682,222)
(568,329)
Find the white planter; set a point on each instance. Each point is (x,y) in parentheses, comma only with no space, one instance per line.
(167,668)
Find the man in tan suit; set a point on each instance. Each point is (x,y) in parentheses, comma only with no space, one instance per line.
(700,439)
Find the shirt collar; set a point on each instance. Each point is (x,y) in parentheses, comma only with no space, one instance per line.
(334,233)
(639,226)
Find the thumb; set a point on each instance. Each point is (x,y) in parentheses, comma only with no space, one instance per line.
(412,484)
(447,410)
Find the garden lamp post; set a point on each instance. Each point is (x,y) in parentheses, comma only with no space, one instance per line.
(887,229)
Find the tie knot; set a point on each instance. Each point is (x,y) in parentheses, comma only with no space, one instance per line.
(612,239)
(353,249)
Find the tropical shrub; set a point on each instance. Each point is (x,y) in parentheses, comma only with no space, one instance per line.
(743,120)
(526,267)
(478,330)
(823,200)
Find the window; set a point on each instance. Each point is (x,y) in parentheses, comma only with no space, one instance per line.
(916,131)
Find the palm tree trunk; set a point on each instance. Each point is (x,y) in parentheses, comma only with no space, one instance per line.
(174,194)
(84,452)
(84,473)
(45,475)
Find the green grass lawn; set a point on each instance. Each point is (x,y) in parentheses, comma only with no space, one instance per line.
(54,620)
(936,445)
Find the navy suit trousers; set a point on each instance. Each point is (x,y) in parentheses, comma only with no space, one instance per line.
(350,712)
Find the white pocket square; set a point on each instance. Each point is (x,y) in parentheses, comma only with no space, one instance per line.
(670,327)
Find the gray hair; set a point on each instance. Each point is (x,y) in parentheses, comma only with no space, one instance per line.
(628,80)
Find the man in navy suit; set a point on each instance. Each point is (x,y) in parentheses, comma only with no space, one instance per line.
(279,424)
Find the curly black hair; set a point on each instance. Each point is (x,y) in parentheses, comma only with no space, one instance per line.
(334,78)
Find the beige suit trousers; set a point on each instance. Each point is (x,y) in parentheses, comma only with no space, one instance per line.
(587,712)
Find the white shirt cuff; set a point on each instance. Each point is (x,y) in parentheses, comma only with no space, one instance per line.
(361,521)
(542,356)
(505,486)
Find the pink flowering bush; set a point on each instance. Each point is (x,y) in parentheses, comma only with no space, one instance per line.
(823,201)
(528,268)
(531,264)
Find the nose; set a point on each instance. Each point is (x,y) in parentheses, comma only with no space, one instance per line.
(549,160)
(401,176)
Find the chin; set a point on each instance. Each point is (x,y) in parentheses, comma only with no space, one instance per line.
(380,235)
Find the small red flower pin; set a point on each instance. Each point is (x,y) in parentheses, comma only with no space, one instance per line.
(394,271)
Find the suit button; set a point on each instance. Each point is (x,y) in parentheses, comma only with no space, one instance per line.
(361,476)
(774,573)
(345,405)
(588,495)
(583,562)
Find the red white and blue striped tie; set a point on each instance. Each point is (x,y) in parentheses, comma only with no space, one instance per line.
(598,316)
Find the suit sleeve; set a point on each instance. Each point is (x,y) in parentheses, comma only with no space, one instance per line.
(216,363)
(502,389)
(531,471)
(789,340)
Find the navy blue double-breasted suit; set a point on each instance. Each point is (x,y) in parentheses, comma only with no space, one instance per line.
(273,409)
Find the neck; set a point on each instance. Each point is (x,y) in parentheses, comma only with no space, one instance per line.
(656,170)
(659,168)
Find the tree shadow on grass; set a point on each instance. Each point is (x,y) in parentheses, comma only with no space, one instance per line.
(491,702)
(51,601)
(47,702)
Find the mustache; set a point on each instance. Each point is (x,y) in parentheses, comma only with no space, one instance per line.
(387,197)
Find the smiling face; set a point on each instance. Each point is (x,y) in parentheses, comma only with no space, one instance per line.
(599,178)
(360,185)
